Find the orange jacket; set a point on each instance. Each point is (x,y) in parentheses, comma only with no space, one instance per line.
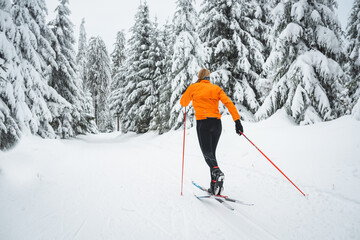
(205,97)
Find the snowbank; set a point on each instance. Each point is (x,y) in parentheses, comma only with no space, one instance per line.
(114,186)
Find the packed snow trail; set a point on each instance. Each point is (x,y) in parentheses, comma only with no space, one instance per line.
(115,186)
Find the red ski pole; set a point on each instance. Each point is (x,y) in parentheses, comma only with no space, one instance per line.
(273,163)
(182,172)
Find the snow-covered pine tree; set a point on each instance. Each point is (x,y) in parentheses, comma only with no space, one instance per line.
(99,80)
(188,58)
(118,69)
(118,55)
(10,100)
(9,129)
(353,36)
(157,57)
(81,59)
(64,78)
(262,84)
(235,34)
(163,80)
(262,12)
(251,43)
(305,62)
(37,59)
(140,98)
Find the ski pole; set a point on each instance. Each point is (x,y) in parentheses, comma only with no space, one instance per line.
(182,172)
(272,163)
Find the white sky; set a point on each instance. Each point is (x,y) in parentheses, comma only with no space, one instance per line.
(106,17)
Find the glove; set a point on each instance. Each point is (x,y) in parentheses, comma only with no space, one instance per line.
(238,127)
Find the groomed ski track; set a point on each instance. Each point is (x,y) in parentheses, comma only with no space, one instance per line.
(114,186)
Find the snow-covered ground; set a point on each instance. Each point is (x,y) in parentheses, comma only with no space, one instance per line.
(114,186)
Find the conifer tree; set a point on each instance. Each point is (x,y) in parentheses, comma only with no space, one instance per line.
(188,58)
(305,62)
(166,44)
(252,51)
(353,36)
(118,68)
(81,60)
(158,57)
(262,13)
(9,129)
(99,80)
(64,78)
(10,99)
(33,45)
(234,32)
(118,55)
(81,54)
(140,97)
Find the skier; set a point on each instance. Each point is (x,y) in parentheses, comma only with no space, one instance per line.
(205,97)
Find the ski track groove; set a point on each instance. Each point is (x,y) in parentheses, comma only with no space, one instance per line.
(81,226)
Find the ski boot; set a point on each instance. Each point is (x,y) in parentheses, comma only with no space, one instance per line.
(217,181)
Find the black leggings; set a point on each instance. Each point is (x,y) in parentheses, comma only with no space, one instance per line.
(209,131)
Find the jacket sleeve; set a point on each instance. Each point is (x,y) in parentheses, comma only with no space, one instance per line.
(186,97)
(229,105)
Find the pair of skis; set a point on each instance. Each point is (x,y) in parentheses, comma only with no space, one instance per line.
(220,198)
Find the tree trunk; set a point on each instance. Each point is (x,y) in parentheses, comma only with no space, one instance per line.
(96,112)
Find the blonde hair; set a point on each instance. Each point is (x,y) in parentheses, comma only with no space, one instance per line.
(203,73)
